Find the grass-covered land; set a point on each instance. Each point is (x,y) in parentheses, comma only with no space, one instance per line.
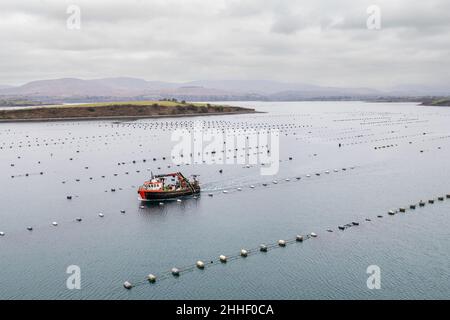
(437,102)
(119,110)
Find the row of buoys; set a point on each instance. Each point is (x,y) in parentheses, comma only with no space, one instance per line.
(265,184)
(280,243)
(244,253)
(27,175)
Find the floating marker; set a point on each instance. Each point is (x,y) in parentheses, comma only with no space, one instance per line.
(341,227)
(210,194)
(175,272)
(421,203)
(179,200)
(30,228)
(2,234)
(127,285)
(299,238)
(413,206)
(200,264)
(329,230)
(355,223)
(161,203)
(122,211)
(441,198)
(151,278)
(225,191)
(54,223)
(252,186)
(263,248)
(223,258)
(282,243)
(313,235)
(244,253)
(79,219)
(391,212)
(101,215)
(431,201)
(239,189)
(402,209)
(69,197)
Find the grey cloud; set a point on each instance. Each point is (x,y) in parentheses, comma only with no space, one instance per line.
(321,42)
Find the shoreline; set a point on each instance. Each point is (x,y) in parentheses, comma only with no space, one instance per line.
(181,115)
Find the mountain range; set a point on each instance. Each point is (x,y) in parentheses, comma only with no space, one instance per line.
(72,89)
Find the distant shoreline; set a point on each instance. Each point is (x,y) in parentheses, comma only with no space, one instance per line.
(119,111)
(128,117)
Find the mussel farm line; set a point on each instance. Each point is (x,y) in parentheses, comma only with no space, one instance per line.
(263,248)
(210,193)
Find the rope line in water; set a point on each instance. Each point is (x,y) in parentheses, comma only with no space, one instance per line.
(274,245)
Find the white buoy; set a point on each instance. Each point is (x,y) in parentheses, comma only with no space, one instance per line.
(30,228)
(252,186)
(313,235)
(239,189)
(101,215)
(263,248)
(327,172)
(335,170)
(223,258)
(287,179)
(200,264)
(299,238)
(244,253)
(54,223)
(2,234)
(225,191)
(179,200)
(391,212)
(142,207)
(161,203)
(282,243)
(151,278)
(175,272)
(274,181)
(127,285)
(308,175)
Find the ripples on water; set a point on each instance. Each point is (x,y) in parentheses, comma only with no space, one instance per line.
(412,249)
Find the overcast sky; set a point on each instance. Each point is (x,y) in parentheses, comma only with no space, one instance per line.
(317,41)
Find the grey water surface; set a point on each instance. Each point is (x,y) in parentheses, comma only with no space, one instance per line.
(394,155)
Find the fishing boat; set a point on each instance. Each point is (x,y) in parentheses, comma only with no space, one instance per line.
(168,187)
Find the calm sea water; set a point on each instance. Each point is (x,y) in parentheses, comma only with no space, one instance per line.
(412,249)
